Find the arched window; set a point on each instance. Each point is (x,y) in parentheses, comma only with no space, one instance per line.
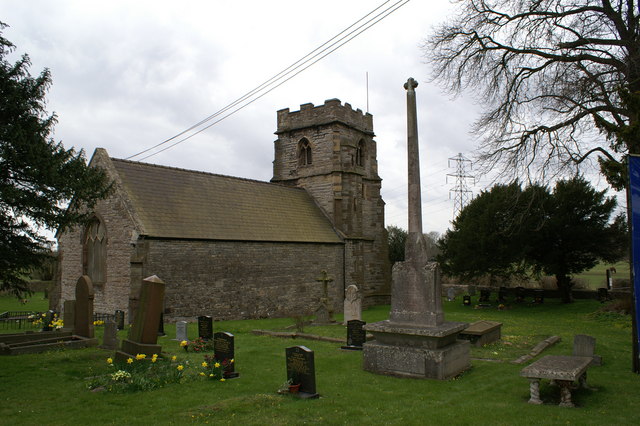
(304,153)
(360,154)
(94,251)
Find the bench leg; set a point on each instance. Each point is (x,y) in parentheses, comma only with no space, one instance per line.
(534,391)
(565,393)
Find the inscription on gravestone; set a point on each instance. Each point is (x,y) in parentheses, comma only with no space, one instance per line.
(301,370)
(205,327)
(223,350)
(356,336)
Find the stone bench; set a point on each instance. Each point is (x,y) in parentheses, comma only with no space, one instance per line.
(481,333)
(561,369)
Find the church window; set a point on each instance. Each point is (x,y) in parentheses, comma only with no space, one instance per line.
(94,251)
(360,154)
(304,153)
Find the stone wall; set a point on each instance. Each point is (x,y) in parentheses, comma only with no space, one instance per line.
(238,280)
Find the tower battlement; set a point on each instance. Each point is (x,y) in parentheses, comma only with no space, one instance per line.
(331,112)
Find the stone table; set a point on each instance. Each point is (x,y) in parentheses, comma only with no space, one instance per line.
(562,369)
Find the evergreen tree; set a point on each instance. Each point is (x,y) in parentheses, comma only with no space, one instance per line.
(38,176)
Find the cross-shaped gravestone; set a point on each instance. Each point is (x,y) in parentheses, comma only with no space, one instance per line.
(324,314)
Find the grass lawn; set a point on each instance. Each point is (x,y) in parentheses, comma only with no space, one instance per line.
(51,388)
(597,277)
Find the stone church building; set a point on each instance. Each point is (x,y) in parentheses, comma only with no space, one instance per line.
(237,248)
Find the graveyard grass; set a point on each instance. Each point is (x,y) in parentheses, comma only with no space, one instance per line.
(51,388)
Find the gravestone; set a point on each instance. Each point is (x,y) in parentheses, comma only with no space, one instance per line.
(451,294)
(466,300)
(181,331)
(301,370)
(356,336)
(83,324)
(485,296)
(584,345)
(143,334)
(161,325)
(324,313)
(352,304)
(502,295)
(520,293)
(481,333)
(538,296)
(120,319)
(110,337)
(205,327)
(69,315)
(223,350)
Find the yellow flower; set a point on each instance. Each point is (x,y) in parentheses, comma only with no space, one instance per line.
(154,359)
(173,358)
(201,373)
(232,361)
(141,356)
(204,364)
(180,367)
(211,375)
(109,361)
(183,343)
(129,361)
(222,380)
(216,365)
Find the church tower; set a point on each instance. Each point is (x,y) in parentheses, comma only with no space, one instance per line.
(329,151)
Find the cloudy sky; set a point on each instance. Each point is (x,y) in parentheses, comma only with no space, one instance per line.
(128,75)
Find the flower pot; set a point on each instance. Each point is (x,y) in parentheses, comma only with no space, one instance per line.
(294,388)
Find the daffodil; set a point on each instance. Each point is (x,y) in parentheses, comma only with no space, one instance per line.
(204,364)
(129,360)
(173,358)
(202,374)
(211,375)
(180,367)
(222,380)
(232,361)
(141,356)
(109,361)
(183,343)
(216,365)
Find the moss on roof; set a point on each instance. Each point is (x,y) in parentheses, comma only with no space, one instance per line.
(178,203)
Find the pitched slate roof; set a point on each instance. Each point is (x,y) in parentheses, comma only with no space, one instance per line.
(185,204)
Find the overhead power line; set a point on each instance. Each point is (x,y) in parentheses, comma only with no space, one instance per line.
(322,51)
(462,193)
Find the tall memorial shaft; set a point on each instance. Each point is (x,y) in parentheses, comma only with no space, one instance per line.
(416,341)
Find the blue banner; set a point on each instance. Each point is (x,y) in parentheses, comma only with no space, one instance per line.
(634,189)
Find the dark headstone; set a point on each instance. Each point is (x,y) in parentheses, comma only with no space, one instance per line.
(120,319)
(161,325)
(466,300)
(356,336)
(301,370)
(520,293)
(538,296)
(223,351)
(205,327)
(84,307)
(502,295)
(485,295)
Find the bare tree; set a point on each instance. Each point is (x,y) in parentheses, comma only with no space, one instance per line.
(559,80)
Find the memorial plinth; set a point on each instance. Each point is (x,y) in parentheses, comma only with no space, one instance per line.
(415,341)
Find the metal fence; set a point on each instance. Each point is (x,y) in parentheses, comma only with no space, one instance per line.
(20,320)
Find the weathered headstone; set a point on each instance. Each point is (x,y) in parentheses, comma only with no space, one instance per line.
(324,313)
(143,334)
(110,337)
(224,352)
(584,345)
(205,327)
(451,294)
(356,336)
(69,315)
(301,370)
(352,304)
(84,308)
(181,331)
(120,319)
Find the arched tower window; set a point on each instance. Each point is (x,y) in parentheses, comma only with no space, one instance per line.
(94,251)
(304,153)
(360,154)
